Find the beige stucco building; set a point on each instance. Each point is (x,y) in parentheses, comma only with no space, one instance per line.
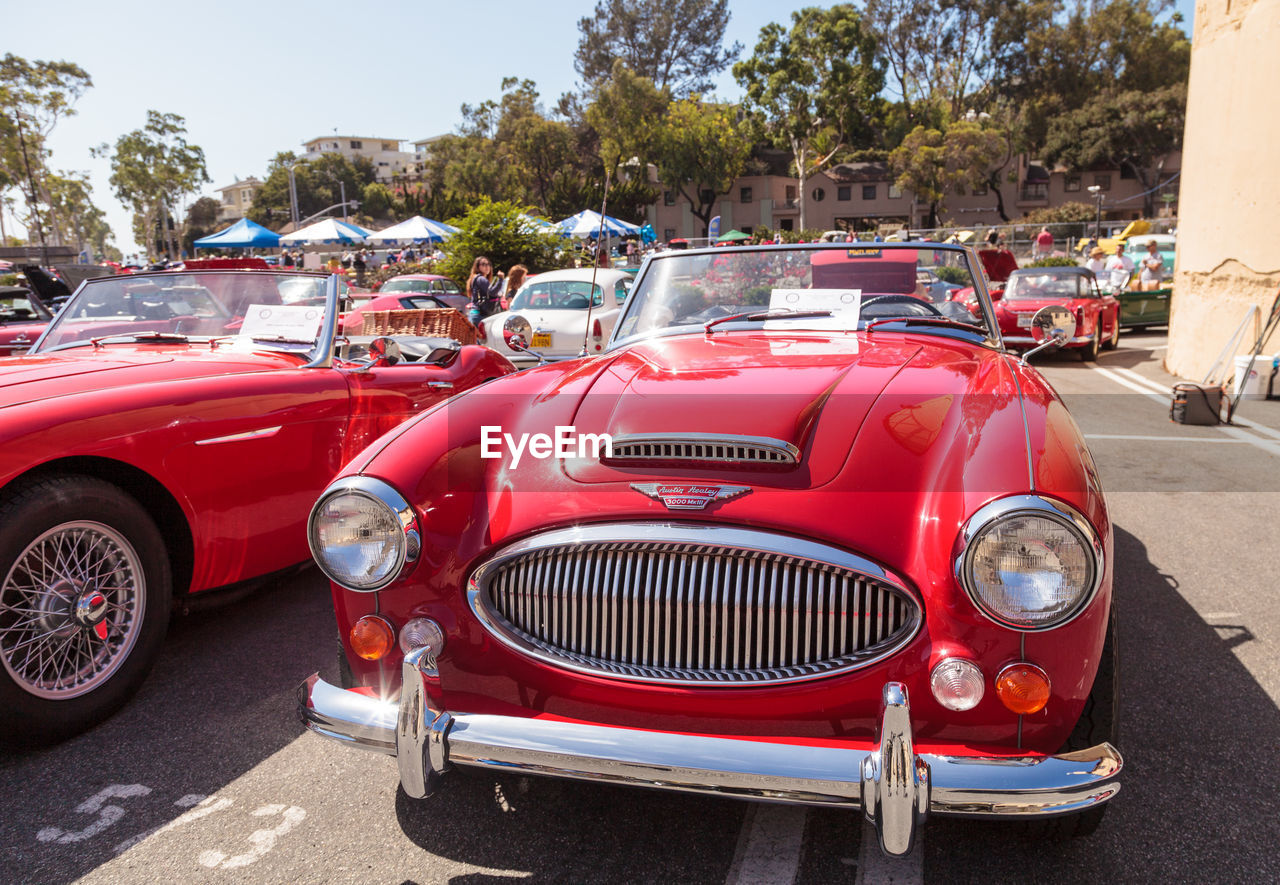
(236,199)
(862,197)
(1228,249)
(385,154)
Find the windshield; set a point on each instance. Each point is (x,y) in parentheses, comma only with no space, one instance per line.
(557,295)
(254,309)
(406,286)
(841,287)
(1049,284)
(16,307)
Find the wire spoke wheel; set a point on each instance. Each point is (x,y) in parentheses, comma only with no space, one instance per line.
(71,608)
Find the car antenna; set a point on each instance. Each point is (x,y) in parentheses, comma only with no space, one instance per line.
(595,265)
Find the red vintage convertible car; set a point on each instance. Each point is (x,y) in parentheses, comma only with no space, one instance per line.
(1028,289)
(797,535)
(167,436)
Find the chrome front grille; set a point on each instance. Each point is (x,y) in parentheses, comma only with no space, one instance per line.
(750,451)
(686,603)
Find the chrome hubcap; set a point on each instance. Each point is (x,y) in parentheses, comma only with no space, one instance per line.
(71,608)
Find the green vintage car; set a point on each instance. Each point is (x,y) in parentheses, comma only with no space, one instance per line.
(1141,309)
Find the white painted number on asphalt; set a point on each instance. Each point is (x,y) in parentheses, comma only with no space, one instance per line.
(261,841)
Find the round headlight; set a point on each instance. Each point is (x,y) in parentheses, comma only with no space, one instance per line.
(362,533)
(1029,563)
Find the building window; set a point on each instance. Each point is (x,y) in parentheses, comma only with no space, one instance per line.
(844,192)
(1072,184)
(668,198)
(791,193)
(668,233)
(357,145)
(818,195)
(980,190)
(707,195)
(246,195)
(868,192)
(747,229)
(390,146)
(744,195)
(1103,181)
(1035,190)
(895,192)
(785,224)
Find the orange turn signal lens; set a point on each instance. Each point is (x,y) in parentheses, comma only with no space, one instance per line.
(372,637)
(1023,688)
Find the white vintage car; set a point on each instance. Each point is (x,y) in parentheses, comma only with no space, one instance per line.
(550,312)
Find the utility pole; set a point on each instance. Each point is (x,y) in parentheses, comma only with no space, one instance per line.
(1096,190)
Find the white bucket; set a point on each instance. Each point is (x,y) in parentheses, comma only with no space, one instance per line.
(1255,385)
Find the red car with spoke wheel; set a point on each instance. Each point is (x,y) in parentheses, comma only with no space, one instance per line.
(1029,289)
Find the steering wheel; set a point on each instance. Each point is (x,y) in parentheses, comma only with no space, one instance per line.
(924,307)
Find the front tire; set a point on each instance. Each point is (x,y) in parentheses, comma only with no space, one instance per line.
(85,595)
(1114,340)
(1099,721)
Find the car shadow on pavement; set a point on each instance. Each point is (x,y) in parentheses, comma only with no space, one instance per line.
(1199,738)
(555,830)
(220,700)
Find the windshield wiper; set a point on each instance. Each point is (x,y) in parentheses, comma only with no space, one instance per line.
(924,321)
(164,337)
(280,339)
(755,315)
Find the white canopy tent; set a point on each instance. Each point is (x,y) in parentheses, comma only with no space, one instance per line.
(325,231)
(416,230)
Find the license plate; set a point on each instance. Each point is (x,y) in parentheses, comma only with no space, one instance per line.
(541,339)
(1024,321)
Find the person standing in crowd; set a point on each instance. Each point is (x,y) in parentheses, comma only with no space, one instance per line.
(515,279)
(480,290)
(1152,267)
(992,237)
(360,262)
(286,258)
(1042,246)
(1097,261)
(1119,270)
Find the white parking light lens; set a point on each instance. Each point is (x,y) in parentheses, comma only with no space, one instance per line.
(419,632)
(957,684)
(1030,571)
(362,535)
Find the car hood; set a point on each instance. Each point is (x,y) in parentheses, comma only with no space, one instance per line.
(815,394)
(64,373)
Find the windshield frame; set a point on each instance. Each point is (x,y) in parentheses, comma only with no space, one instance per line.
(989,330)
(319,355)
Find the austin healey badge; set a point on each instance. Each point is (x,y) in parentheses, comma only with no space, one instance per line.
(688,497)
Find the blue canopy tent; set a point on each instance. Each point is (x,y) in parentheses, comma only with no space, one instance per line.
(244,234)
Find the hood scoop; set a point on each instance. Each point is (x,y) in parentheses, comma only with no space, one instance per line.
(701,450)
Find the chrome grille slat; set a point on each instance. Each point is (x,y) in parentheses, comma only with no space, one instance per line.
(705,448)
(693,613)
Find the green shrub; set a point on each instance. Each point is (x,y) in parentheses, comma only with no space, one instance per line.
(498,231)
(957,275)
(1058,261)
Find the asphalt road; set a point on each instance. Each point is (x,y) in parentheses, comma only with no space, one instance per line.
(206,776)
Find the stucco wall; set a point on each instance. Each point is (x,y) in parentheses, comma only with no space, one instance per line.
(1229,215)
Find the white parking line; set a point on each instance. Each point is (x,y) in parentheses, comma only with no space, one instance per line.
(769,846)
(1125,382)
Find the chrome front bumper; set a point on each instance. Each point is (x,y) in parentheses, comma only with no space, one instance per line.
(1028,341)
(895,787)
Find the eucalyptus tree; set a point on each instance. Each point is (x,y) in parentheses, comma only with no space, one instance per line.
(678,44)
(814,88)
(152,169)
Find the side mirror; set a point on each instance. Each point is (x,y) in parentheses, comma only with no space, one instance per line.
(516,341)
(383,351)
(1052,326)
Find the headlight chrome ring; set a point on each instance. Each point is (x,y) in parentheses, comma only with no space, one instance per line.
(1046,606)
(363,533)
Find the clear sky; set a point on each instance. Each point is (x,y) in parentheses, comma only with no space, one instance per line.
(256,78)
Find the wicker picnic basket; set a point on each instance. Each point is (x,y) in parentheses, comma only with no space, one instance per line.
(441,323)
